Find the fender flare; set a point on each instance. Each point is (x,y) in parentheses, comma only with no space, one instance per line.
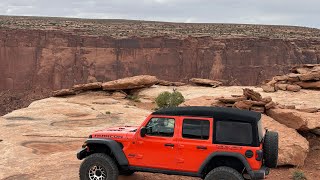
(229,154)
(114,147)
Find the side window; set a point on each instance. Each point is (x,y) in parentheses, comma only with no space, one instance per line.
(196,129)
(160,127)
(238,133)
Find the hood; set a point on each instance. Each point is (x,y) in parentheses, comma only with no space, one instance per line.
(123,132)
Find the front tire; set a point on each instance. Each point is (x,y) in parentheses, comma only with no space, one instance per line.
(223,173)
(98,166)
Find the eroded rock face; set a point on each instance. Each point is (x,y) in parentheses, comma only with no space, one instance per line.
(293,148)
(295,119)
(135,82)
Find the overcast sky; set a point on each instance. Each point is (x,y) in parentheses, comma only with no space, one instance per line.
(287,12)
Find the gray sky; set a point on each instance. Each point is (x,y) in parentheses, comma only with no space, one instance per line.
(287,12)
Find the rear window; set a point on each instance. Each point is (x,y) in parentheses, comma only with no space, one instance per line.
(230,132)
(195,129)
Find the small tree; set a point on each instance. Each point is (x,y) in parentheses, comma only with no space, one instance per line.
(167,99)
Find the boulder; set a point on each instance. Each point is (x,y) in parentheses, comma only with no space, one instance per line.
(293,88)
(293,77)
(119,95)
(169,83)
(270,105)
(266,99)
(258,109)
(63,92)
(309,85)
(251,94)
(295,119)
(202,101)
(281,78)
(293,148)
(282,87)
(205,82)
(231,99)
(242,105)
(135,82)
(310,76)
(268,88)
(86,87)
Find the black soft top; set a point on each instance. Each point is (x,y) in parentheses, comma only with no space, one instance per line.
(217,113)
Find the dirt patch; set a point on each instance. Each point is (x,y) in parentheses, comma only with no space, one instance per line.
(44,148)
(18,177)
(20,118)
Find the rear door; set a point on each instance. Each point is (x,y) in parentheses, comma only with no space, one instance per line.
(194,142)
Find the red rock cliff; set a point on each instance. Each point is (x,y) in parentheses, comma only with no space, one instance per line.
(55,59)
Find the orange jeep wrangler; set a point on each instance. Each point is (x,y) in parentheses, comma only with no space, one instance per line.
(205,142)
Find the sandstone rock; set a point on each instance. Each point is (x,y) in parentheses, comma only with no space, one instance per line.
(293,88)
(295,119)
(271,83)
(86,87)
(63,92)
(203,101)
(135,82)
(293,148)
(270,105)
(169,83)
(91,79)
(205,82)
(268,88)
(303,70)
(231,99)
(309,85)
(257,109)
(293,77)
(266,99)
(310,76)
(281,78)
(282,87)
(251,94)
(242,105)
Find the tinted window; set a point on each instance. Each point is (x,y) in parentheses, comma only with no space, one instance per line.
(160,127)
(196,129)
(233,132)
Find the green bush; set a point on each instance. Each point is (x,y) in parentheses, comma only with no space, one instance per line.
(167,99)
(298,175)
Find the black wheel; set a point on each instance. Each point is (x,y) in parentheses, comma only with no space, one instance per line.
(223,173)
(270,149)
(126,172)
(98,167)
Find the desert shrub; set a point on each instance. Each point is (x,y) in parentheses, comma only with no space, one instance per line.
(298,175)
(167,99)
(108,112)
(134,98)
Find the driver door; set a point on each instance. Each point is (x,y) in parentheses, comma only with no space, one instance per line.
(157,149)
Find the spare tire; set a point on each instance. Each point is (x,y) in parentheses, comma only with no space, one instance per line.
(270,149)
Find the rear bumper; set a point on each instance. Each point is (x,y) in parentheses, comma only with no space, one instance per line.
(260,174)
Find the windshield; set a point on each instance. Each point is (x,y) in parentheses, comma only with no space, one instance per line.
(261,131)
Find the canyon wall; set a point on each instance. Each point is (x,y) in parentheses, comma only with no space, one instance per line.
(56,59)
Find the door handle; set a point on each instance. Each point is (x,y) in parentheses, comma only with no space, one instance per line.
(202,147)
(169,145)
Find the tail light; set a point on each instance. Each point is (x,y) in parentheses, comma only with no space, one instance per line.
(259,155)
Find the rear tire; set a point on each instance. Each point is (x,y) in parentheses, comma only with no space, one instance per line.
(98,165)
(223,173)
(270,149)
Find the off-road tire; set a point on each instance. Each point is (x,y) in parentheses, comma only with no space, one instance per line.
(126,172)
(223,173)
(102,160)
(270,149)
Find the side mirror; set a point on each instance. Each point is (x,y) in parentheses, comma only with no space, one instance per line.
(143,132)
